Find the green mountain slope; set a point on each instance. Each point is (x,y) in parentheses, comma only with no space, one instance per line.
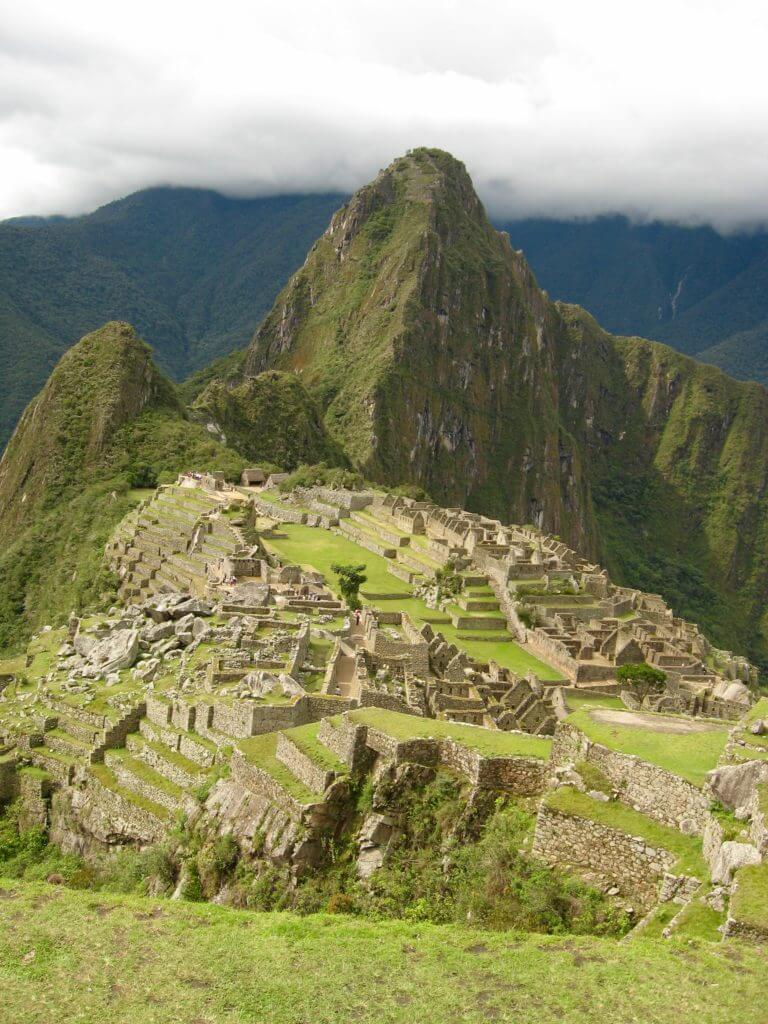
(703,293)
(269,418)
(193,270)
(105,422)
(437,360)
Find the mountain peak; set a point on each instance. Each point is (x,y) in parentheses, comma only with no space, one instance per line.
(103,382)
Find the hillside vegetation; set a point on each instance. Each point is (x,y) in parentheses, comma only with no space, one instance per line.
(437,360)
(71,956)
(194,272)
(106,425)
(702,292)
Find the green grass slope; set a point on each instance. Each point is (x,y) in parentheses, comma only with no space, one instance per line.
(106,424)
(72,956)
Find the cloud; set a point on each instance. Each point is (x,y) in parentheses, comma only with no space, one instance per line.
(559,109)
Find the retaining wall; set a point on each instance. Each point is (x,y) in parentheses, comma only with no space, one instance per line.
(652,790)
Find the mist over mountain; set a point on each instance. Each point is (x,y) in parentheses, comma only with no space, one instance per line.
(195,272)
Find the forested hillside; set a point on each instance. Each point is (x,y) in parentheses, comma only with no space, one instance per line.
(190,269)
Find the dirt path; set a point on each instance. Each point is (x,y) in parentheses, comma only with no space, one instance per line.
(654,723)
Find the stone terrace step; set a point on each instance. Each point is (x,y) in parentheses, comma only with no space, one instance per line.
(64,743)
(169,763)
(109,780)
(192,746)
(136,775)
(59,766)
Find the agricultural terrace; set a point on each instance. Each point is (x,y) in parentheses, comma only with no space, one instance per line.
(319,549)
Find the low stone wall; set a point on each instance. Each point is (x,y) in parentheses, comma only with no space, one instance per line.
(370,698)
(94,818)
(652,790)
(279,512)
(314,777)
(415,751)
(346,740)
(9,781)
(35,795)
(169,769)
(524,776)
(255,779)
(627,861)
(402,572)
(350,500)
(552,652)
(158,711)
(348,529)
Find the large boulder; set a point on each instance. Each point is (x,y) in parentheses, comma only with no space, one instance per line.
(731,857)
(117,651)
(734,784)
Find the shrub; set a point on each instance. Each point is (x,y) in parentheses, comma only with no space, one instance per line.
(594,777)
(351,578)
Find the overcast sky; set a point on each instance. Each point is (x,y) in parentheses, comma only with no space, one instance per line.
(655,109)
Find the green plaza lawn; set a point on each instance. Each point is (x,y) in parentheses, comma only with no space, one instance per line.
(75,957)
(319,549)
(689,755)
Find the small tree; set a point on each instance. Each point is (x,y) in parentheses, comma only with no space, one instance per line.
(351,578)
(644,679)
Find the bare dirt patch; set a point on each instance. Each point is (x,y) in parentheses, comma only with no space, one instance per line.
(654,723)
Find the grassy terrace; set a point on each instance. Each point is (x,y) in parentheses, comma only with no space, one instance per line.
(576,699)
(141,770)
(260,751)
(108,779)
(488,742)
(750,901)
(305,738)
(319,549)
(616,815)
(69,956)
(689,755)
(173,757)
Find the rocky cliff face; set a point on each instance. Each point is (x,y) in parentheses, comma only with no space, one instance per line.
(426,341)
(436,359)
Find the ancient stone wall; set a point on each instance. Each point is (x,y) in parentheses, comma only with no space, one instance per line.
(314,777)
(9,781)
(370,698)
(34,793)
(658,793)
(415,751)
(524,776)
(346,740)
(255,779)
(95,818)
(627,861)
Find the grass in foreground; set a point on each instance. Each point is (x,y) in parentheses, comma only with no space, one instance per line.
(689,755)
(614,814)
(486,741)
(83,957)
